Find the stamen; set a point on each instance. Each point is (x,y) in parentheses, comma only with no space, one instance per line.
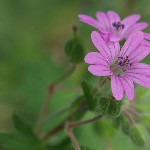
(120,65)
(118,25)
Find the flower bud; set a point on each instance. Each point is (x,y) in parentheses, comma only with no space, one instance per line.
(117,121)
(74,50)
(139,135)
(125,126)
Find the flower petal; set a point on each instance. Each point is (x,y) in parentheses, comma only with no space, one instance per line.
(114,48)
(104,36)
(145,43)
(137,27)
(139,68)
(105,31)
(99,70)
(89,20)
(113,17)
(114,38)
(129,22)
(95,58)
(117,88)
(128,87)
(132,43)
(101,45)
(139,54)
(141,79)
(147,36)
(103,19)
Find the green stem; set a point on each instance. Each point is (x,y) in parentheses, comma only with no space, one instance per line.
(60,127)
(55,114)
(51,90)
(127,115)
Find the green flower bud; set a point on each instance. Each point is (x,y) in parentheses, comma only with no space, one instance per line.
(74,51)
(139,135)
(117,121)
(125,126)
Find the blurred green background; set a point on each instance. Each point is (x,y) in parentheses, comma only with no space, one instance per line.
(32,38)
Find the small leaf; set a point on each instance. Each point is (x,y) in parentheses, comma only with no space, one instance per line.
(11,141)
(108,107)
(79,106)
(74,51)
(15,141)
(88,94)
(23,127)
(77,101)
(61,145)
(139,135)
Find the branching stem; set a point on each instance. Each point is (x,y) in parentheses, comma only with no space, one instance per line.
(70,125)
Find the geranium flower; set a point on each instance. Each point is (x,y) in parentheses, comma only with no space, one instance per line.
(120,64)
(112,28)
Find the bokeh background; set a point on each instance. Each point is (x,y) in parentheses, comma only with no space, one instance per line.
(32,38)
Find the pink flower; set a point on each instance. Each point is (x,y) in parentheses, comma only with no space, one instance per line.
(112,27)
(120,64)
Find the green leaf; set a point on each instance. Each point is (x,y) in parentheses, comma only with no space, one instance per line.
(15,141)
(88,94)
(77,101)
(108,106)
(74,51)
(23,127)
(139,135)
(11,141)
(62,145)
(77,109)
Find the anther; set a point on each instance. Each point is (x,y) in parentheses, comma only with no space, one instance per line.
(118,25)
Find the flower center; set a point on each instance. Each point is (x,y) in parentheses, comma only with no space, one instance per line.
(118,25)
(120,65)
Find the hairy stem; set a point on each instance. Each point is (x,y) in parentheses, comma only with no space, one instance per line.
(53,131)
(70,125)
(72,138)
(127,115)
(133,112)
(51,90)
